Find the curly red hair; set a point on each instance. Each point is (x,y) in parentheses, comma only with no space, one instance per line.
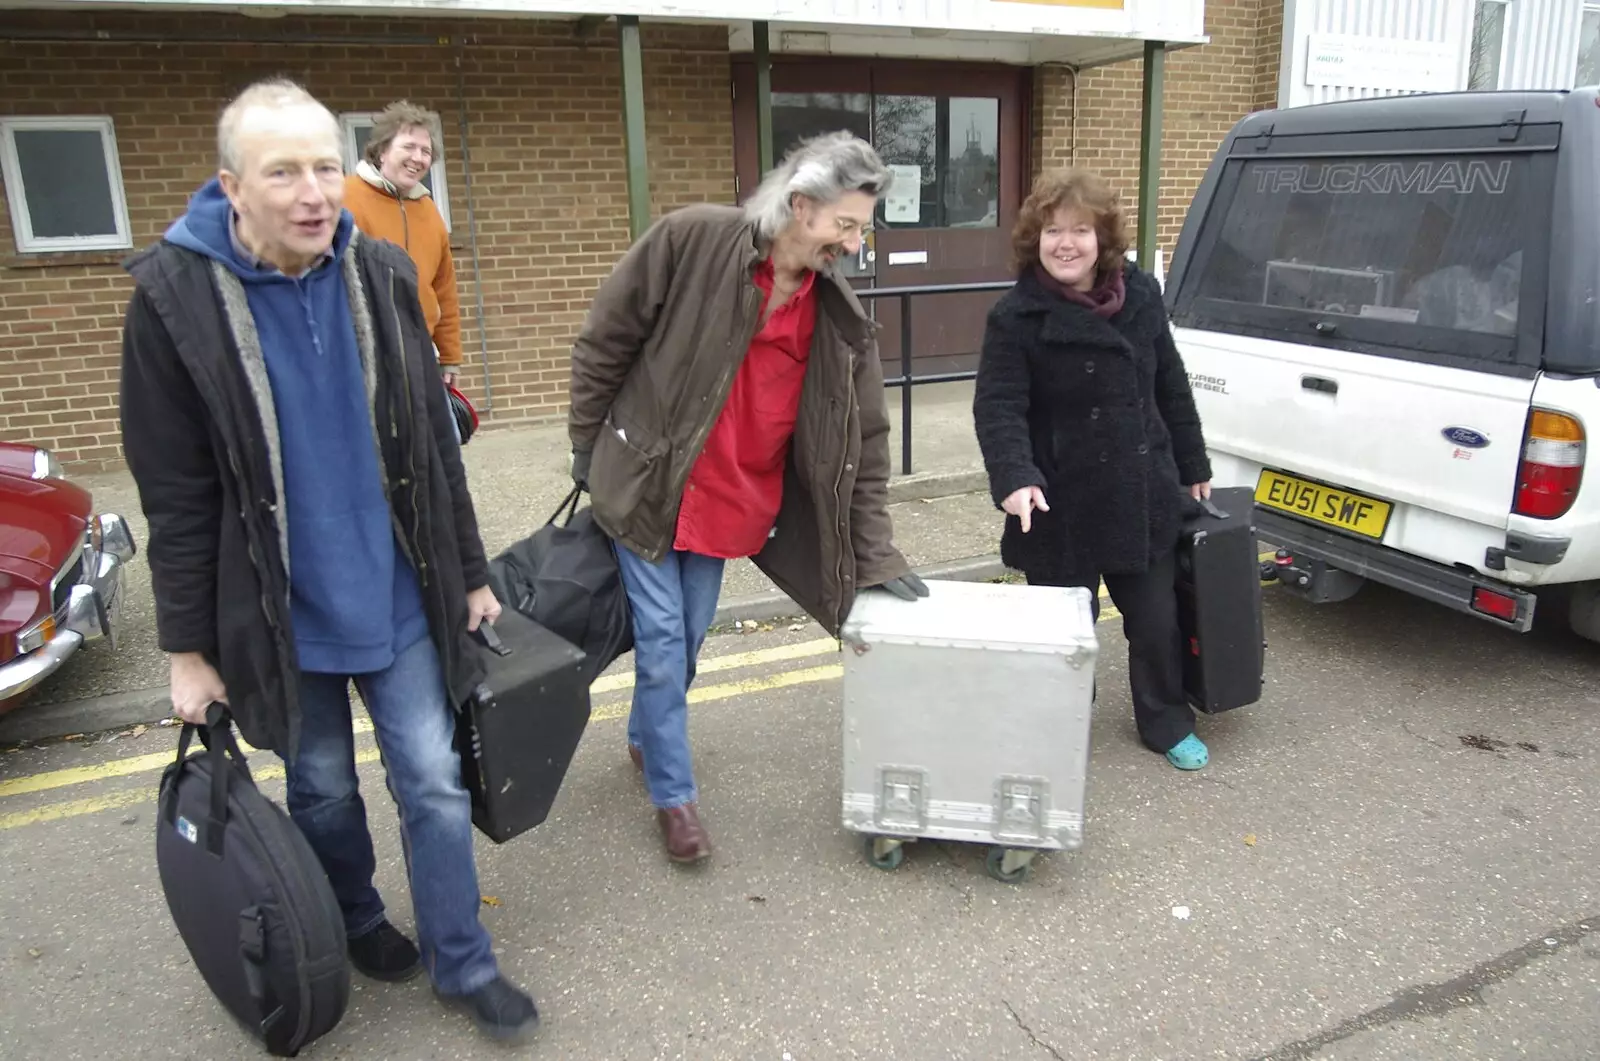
(1072,189)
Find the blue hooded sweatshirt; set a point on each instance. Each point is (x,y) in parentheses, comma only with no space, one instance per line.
(353,595)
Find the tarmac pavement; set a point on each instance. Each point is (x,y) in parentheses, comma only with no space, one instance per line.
(1391,857)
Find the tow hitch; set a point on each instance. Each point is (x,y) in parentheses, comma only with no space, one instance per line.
(1314,580)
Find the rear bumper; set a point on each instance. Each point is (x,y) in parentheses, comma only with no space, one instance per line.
(1431,581)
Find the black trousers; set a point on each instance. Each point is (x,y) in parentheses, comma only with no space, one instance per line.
(1149,605)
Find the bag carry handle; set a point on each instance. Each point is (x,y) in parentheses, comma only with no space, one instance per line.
(1207,506)
(490,639)
(223,749)
(569,505)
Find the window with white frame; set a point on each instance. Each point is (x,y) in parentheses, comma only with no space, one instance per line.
(63,184)
(357,129)
(1589,46)
(1488,45)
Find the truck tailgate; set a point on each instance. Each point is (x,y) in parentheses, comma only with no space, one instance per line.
(1418,456)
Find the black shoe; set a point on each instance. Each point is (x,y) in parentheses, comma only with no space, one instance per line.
(500,1010)
(384,954)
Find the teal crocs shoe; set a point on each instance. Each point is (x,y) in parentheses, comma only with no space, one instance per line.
(1189,754)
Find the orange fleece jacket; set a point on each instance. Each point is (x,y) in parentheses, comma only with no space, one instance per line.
(415,224)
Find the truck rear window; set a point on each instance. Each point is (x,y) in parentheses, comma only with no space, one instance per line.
(1401,254)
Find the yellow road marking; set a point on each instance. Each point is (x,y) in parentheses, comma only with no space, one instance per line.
(133,764)
(79,775)
(78,807)
(56,811)
(605,713)
(139,764)
(785,680)
(733,661)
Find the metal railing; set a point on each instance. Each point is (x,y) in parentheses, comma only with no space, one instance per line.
(907,380)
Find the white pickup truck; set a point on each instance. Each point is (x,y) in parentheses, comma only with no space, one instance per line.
(1389,310)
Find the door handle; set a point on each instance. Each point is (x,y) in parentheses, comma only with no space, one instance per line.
(1319,383)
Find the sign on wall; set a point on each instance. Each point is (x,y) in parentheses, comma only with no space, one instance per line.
(1392,63)
(903,204)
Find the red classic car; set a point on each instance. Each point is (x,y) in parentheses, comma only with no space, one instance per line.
(60,569)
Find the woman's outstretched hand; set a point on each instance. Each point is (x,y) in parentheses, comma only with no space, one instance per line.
(1022,503)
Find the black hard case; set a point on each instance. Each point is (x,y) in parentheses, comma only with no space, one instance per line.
(1219,603)
(519,730)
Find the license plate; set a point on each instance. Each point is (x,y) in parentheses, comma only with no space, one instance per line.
(1327,505)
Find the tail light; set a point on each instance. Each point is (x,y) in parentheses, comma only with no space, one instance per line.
(1552,465)
(1499,605)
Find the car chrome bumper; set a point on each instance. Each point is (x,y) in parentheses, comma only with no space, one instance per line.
(24,672)
(90,611)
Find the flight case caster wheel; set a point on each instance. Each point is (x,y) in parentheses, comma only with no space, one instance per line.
(885,852)
(1009,864)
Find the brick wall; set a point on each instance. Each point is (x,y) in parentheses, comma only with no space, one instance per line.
(1269,54)
(548,182)
(1053,90)
(543,102)
(1207,89)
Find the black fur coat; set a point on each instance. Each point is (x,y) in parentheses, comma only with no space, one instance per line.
(1096,412)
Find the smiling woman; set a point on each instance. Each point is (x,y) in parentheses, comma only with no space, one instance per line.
(1090,436)
(1074,226)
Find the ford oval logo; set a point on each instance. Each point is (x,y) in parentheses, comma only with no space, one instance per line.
(1465,436)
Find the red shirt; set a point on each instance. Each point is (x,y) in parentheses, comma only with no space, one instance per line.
(736,486)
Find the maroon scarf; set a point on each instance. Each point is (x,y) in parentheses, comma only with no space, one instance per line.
(1105,300)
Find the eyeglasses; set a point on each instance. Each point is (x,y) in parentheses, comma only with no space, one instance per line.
(848,228)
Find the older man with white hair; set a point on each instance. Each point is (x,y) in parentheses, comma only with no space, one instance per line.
(281,413)
(727,401)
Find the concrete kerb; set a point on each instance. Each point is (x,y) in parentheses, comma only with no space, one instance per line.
(930,485)
(44,722)
(32,723)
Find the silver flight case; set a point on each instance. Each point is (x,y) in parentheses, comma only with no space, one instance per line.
(966,717)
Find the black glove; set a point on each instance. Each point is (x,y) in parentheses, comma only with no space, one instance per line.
(907,587)
(580,467)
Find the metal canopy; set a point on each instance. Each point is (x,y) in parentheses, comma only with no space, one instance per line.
(879,42)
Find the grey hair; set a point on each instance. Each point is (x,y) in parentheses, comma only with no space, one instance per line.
(824,168)
(273,93)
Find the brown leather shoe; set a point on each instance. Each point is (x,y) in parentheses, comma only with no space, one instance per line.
(637,756)
(687,840)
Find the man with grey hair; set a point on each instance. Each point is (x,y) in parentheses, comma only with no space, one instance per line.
(278,417)
(727,401)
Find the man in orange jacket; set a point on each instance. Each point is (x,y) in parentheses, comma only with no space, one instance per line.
(389,201)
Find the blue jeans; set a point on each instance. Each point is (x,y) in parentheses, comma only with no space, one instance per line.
(673,604)
(415,727)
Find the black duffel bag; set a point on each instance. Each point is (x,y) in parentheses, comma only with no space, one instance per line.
(249,896)
(565,578)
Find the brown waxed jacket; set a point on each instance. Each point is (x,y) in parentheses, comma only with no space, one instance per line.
(652,368)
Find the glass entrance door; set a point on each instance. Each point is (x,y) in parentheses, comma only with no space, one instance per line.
(953,135)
